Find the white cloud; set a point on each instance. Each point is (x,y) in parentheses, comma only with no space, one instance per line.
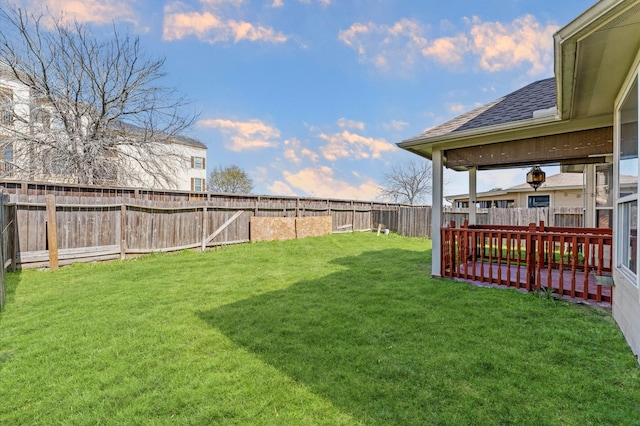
(351,145)
(244,135)
(212,25)
(399,44)
(280,188)
(323,3)
(447,50)
(294,150)
(313,156)
(505,46)
(496,46)
(350,124)
(277,3)
(395,125)
(503,178)
(99,12)
(456,108)
(321,182)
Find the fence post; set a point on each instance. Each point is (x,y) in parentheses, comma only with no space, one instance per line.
(14,245)
(123,231)
(2,251)
(353,217)
(52,232)
(205,226)
(531,257)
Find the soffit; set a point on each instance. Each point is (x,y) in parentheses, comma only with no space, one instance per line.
(602,62)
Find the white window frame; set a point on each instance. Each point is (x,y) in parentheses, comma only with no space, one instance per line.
(198,184)
(198,163)
(621,241)
(529,197)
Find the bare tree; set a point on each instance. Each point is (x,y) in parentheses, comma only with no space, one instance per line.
(409,182)
(230,179)
(85,107)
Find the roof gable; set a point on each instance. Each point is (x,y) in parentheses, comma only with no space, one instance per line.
(516,106)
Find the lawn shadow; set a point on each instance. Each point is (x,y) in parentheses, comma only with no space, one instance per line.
(11,282)
(336,334)
(388,344)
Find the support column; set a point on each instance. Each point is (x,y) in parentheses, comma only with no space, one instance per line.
(472,195)
(436,218)
(590,196)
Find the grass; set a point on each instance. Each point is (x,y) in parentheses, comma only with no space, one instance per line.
(345,329)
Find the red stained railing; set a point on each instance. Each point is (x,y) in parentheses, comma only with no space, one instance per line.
(567,260)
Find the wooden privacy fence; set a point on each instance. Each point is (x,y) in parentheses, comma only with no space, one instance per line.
(415,221)
(554,216)
(6,225)
(91,228)
(573,262)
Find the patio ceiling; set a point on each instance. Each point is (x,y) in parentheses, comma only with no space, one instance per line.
(593,55)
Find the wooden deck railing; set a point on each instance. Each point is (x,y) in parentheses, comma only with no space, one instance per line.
(564,260)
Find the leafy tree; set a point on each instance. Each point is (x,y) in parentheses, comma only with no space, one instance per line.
(409,182)
(229,179)
(92,108)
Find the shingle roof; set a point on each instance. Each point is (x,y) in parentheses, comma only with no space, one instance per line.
(559,180)
(516,106)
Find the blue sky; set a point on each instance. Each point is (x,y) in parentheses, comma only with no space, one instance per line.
(309,97)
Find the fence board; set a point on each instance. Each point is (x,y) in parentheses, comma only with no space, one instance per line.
(146,220)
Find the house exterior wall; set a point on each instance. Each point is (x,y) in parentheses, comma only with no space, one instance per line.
(626,295)
(626,309)
(183,169)
(190,169)
(559,198)
(180,166)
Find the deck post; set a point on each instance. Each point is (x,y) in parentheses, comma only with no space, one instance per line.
(590,197)
(436,220)
(531,256)
(472,195)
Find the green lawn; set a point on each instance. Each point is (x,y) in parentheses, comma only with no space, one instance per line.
(344,329)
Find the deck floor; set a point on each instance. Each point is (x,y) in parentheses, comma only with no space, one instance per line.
(501,274)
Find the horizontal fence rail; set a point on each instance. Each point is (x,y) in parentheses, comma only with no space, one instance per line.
(115,226)
(573,262)
(102,223)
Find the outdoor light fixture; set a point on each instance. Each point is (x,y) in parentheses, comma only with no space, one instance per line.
(535,177)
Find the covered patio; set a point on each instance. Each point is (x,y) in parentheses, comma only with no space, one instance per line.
(584,120)
(522,129)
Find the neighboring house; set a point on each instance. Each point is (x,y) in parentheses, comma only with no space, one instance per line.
(585,118)
(191,173)
(20,112)
(560,190)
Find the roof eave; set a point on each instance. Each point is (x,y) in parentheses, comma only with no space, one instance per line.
(478,132)
(515,130)
(565,46)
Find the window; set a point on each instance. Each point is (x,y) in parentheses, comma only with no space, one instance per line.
(8,153)
(626,147)
(42,119)
(538,201)
(197,162)
(628,216)
(500,204)
(6,106)
(7,163)
(197,184)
